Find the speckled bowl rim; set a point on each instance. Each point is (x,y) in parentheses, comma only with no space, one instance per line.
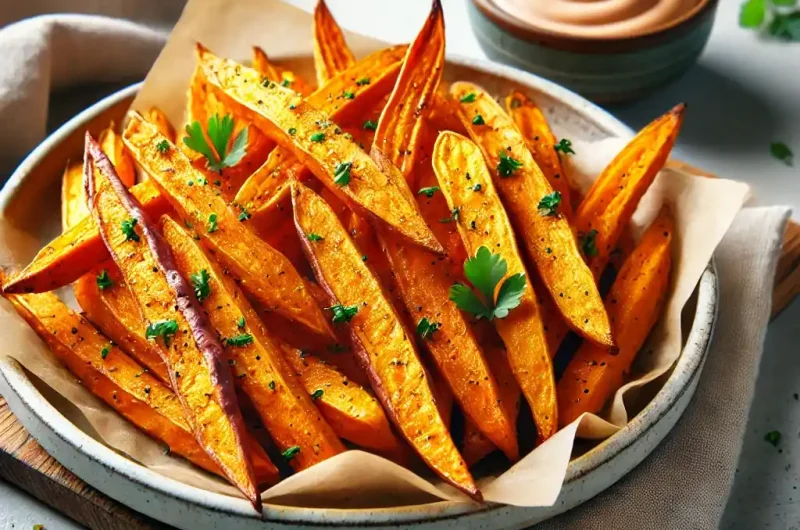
(684,373)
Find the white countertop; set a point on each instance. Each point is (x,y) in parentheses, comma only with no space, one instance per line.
(743,95)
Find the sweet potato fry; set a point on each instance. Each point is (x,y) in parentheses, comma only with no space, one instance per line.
(380,68)
(423,280)
(113,147)
(313,139)
(266,273)
(609,205)
(634,305)
(198,369)
(396,372)
(76,251)
(548,239)
(115,311)
(278,74)
(482,221)
(157,117)
(353,412)
(73,202)
(541,143)
(258,364)
(107,372)
(331,54)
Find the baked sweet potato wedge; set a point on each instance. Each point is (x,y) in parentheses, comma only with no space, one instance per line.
(607,208)
(634,305)
(331,54)
(423,280)
(482,221)
(73,202)
(76,251)
(541,142)
(108,373)
(157,117)
(548,239)
(337,161)
(379,336)
(278,74)
(280,399)
(265,272)
(354,413)
(367,80)
(198,367)
(109,304)
(113,147)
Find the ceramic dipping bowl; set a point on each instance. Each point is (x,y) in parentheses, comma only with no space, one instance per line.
(601,69)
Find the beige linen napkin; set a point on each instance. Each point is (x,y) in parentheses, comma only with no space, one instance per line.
(684,484)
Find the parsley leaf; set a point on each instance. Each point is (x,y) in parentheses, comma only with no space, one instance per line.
(314,237)
(103,280)
(752,13)
(162,146)
(507,165)
(468,98)
(200,283)
(292,131)
(342,175)
(105,351)
(781,151)
(370,125)
(240,323)
(291,452)
(485,271)
(564,146)
(587,242)
(454,215)
(317,137)
(348,94)
(428,192)
(785,26)
(219,131)
(773,437)
(426,328)
(212,227)
(363,81)
(478,120)
(244,215)
(286,82)
(342,313)
(164,329)
(239,340)
(128,228)
(317,394)
(549,204)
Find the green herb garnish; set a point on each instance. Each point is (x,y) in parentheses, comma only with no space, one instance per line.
(200,284)
(286,82)
(342,313)
(317,137)
(239,340)
(128,228)
(212,227)
(317,394)
(772,17)
(773,437)
(484,271)
(515,103)
(476,187)
(564,146)
(244,215)
(781,151)
(103,280)
(105,351)
(468,98)
(314,237)
(348,94)
(426,328)
(272,385)
(162,146)
(292,131)
(291,452)
(342,175)
(549,204)
(454,215)
(507,165)
(240,323)
(429,191)
(478,120)
(588,244)
(164,329)
(219,131)
(363,81)
(370,125)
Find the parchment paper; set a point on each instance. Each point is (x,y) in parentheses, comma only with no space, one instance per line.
(704,209)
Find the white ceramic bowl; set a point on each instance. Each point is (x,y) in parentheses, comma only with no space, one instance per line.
(35,183)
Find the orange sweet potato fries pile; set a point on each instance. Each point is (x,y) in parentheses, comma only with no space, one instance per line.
(358,259)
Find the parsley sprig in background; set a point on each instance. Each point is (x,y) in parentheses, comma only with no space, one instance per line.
(775,18)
